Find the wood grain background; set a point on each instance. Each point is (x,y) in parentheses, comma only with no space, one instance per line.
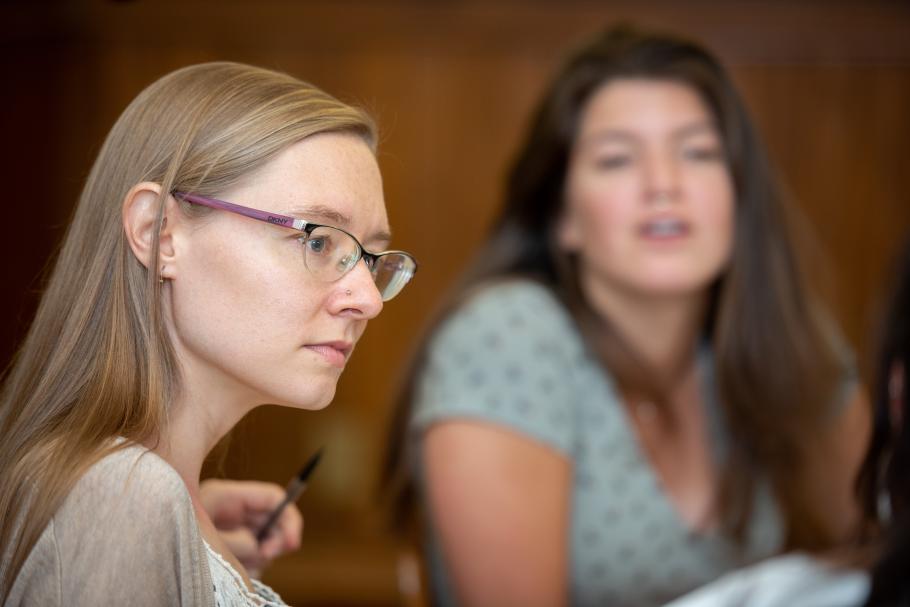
(451,84)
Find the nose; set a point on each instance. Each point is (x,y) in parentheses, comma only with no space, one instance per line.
(661,177)
(358,294)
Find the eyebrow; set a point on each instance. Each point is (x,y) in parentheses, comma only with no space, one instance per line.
(320,213)
(697,128)
(610,134)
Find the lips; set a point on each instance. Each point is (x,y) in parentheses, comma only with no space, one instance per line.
(664,228)
(336,353)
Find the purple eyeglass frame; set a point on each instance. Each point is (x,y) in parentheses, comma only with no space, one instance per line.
(294,223)
(275,218)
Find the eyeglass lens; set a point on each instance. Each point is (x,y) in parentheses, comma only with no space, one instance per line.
(391,273)
(331,253)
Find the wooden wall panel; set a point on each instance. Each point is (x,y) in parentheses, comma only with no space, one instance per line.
(451,84)
(840,139)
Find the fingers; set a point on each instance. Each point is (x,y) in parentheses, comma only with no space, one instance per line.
(271,547)
(291,525)
(285,534)
(239,509)
(235,503)
(258,496)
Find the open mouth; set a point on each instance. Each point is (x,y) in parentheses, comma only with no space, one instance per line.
(665,228)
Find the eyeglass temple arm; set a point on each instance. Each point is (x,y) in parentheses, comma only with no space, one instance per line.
(273,218)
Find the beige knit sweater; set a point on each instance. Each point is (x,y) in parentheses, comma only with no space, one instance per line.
(125,535)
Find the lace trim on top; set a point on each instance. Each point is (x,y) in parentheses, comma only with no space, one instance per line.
(231,591)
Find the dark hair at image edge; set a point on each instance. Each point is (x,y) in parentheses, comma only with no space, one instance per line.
(776,363)
(885,474)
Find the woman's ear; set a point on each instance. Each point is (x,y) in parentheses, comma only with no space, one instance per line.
(140,224)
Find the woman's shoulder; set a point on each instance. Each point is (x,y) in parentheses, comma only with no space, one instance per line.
(128,488)
(131,471)
(520,305)
(516,316)
(516,291)
(126,533)
(509,355)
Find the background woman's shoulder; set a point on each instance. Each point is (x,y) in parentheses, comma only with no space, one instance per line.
(517,291)
(518,304)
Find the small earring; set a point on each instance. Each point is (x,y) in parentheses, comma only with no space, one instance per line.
(347,292)
(160,277)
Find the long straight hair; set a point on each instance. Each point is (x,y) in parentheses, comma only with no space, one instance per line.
(777,366)
(97,363)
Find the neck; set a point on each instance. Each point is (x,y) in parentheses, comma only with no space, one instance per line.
(203,412)
(663,330)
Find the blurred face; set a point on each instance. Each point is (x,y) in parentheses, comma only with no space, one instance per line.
(649,200)
(247,315)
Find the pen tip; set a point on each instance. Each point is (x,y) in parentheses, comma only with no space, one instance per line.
(310,465)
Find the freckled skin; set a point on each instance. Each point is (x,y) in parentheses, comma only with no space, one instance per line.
(243,306)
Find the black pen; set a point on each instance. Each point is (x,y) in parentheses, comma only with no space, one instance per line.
(294,490)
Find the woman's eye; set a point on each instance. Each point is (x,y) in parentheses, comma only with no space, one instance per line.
(704,154)
(319,245)
(613,161)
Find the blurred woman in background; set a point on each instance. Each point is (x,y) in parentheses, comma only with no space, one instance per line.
(634,389)
(219,259)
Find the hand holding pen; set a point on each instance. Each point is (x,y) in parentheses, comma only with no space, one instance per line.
(241,509)
(293,492)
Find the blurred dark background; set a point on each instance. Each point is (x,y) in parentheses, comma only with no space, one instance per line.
(451,83)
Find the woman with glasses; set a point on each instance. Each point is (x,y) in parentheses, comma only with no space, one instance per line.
(634,389)
(227,251)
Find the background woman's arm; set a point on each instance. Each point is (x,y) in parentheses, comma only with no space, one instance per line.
(499,503)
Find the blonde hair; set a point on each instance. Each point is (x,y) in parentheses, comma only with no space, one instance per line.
(97,363)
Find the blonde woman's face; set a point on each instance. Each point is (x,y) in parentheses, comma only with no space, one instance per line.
(246,313)
(649,201)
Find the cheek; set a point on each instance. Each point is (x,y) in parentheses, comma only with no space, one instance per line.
(718,208)
(600,212)
(249,302)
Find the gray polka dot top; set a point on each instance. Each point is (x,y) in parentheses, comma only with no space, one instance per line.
(512,356)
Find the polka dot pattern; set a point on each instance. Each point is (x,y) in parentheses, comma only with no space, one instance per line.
(512,356)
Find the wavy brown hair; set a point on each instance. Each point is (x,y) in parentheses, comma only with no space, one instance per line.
(777,366)
(97,363)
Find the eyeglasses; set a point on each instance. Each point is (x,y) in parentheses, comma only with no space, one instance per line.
(328,252)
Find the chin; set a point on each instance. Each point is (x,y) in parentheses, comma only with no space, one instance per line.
(671,288)
(676,283)
(323,403)
(310,400)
